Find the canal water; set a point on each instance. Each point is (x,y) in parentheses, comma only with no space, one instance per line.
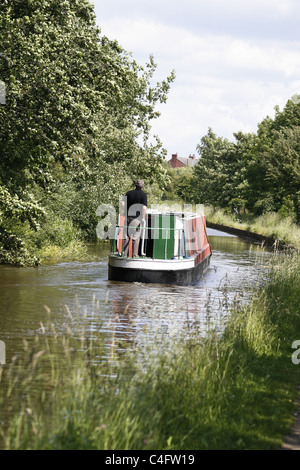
(79,293)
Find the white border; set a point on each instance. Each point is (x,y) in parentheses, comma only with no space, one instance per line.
(152,264)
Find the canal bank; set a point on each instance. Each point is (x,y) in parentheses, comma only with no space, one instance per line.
(269,228)
(272,242)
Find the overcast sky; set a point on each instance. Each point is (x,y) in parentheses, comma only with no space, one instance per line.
(235,60)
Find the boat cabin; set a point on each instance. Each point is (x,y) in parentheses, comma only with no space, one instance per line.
(170,243)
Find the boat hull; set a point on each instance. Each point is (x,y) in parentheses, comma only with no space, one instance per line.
(179,272)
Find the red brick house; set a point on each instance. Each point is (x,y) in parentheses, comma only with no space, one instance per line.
(177,162)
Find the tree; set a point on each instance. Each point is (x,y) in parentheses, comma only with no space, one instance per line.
(273,172)
(219,175)
(75,100)
(260,172)
(281,167)
(72,95)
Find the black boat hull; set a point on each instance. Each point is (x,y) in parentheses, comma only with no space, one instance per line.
(182,277)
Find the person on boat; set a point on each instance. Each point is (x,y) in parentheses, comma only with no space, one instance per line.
(135,203)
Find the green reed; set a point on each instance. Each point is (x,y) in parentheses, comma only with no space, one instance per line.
(230,391)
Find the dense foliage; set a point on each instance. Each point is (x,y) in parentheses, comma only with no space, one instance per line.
(258,172)
(74,127)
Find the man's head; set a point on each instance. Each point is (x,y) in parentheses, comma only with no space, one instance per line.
(139,184)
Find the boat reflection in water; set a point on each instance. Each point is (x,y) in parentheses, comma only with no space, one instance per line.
(174,249)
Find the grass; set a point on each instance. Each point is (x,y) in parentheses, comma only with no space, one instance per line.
(75,250)
(270,224)
(236,391)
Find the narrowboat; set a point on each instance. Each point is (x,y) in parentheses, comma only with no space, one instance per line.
(173,249)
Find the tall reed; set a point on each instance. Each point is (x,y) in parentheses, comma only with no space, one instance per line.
(229,391)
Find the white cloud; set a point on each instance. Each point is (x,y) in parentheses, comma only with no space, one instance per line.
(247,18)
(224,81)
(254,8)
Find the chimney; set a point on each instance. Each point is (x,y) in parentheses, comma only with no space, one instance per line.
(174,160)
(193,157)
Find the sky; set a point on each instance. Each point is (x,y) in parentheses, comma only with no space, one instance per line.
(235,60)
